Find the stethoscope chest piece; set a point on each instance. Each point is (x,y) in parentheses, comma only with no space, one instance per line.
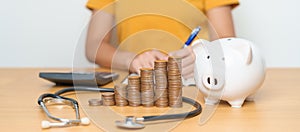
(130,123)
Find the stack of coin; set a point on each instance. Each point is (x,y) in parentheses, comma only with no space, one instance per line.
(95,102)
(108,99)
(121,95)
(174,82)
(147,91)
(133,91)
(161,83)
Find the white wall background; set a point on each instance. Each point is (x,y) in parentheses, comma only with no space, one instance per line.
(44,33)
(274,25)
(40,33)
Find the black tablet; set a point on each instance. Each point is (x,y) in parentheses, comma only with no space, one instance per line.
(81,79)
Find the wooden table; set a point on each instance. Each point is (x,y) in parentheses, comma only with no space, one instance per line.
(276,106)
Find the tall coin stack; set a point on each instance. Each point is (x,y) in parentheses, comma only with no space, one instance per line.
(147,91)
(161,83)
(133,91)
(108,98)
(174,82)
(121,95)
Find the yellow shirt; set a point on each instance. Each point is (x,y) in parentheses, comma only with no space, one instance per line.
(161,24)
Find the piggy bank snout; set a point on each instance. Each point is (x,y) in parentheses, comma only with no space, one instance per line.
(213,82)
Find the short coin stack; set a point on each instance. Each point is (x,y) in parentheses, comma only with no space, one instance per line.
(121,95)
(133,91)
(161,83)
(108,99)
(174,82)
(147,85)
(95,102)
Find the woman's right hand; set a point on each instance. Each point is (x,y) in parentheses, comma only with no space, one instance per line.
(146,60)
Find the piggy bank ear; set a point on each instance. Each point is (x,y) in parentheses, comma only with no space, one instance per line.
(200,41)
(245,50)
(197,45)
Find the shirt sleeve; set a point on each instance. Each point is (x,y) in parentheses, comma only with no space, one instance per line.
(98,4)
(209,4)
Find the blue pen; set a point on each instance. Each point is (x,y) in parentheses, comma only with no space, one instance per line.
(192,36)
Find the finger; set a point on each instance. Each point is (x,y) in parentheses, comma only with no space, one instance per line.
(151,62)
(187,61)
(149,59)
(191,75)
(159,55)
(146,64)
(136,67)
(136,70)
(187,70)
(143,59)
(180,53)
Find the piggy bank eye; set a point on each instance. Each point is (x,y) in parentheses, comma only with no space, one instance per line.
(208,57)
(223,58)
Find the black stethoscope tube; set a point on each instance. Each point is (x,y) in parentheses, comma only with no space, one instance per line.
(71,89)
(43,96)
(190,114)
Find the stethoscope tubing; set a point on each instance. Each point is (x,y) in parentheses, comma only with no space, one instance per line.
(197,111)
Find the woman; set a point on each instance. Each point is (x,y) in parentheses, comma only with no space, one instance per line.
(162,24)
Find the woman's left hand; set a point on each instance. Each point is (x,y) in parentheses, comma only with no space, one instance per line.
(188,59)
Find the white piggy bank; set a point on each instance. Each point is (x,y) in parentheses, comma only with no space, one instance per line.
(230,69)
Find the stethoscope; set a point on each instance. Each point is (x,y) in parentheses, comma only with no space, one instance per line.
(130,122)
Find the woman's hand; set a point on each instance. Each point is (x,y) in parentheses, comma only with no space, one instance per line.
(188,59)
(146,60)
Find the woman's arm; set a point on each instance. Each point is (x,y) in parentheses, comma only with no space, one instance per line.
(221,22)
(221,25)
(98,48)
(100,51)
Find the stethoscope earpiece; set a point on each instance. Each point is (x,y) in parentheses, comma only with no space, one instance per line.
(85,121)
(47,124)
